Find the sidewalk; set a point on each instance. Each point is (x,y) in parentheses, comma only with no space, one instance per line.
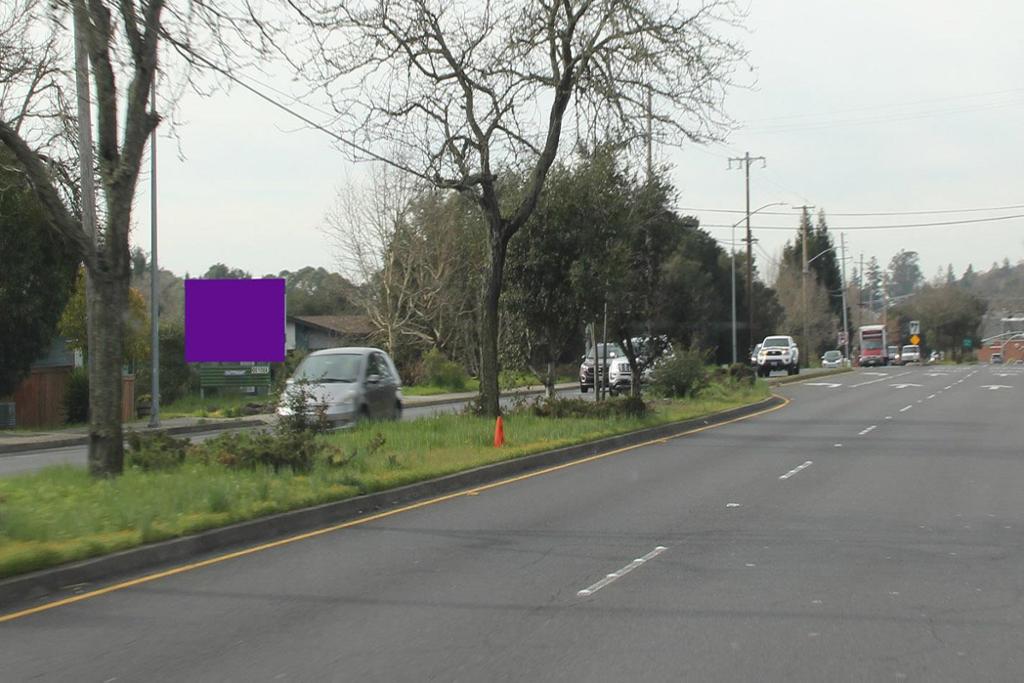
(19,442)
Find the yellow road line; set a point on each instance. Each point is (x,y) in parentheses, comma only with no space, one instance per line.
(364,520)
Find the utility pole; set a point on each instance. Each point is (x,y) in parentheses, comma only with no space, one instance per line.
(745,161)
(846,326)
(805,221)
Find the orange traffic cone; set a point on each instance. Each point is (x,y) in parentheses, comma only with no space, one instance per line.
(499,433)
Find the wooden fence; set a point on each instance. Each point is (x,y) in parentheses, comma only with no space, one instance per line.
(39,400)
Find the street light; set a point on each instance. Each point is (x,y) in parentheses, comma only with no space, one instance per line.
(803,292)
(733,246)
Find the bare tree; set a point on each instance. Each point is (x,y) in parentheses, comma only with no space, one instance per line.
(402,243)
(122,41)
(366,226)
(822,325)
(457,93)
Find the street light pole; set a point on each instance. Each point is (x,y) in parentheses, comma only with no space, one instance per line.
(732,281)
(846,325)
(732,245)
(154,286)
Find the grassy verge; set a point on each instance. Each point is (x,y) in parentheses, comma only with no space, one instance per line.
(60,514)
(224,405)
(507,381)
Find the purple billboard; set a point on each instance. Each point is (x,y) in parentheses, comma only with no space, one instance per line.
(233,321)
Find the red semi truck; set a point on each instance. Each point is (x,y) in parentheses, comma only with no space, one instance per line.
(873,345)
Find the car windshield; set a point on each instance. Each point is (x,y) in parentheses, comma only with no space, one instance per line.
(910,349)
(334,367)
(872,344)
(613,351)
(833,355)
(776,341)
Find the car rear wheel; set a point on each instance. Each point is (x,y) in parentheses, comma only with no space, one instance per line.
(584,388)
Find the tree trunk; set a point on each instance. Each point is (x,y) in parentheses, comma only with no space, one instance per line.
(489,393)
(549,380)
(108,303)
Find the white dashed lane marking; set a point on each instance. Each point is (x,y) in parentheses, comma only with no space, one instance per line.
(793,471)
(867,431)
(615,576)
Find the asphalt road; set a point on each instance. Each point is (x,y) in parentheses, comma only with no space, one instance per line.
(868,531)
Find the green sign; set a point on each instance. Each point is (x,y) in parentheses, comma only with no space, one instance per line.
(242,377)
(968,343)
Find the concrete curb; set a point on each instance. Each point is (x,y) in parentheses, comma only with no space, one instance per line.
(47,582)
(241,423)
(794,379)
(427,401)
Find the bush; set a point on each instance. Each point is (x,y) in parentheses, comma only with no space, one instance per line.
(626,406)
(251,450)
(738,373)
(155,451)
(441,372)
(306,415)
(177,378)
(76,399)
(682,375)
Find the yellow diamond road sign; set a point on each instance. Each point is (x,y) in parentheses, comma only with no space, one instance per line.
(914,339)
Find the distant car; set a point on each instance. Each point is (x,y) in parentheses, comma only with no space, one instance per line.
(611,352)
(894,355)
(911,353)
(778,352)
(833,359)
(351,383)
(753,354)
(997,359)
(934,358)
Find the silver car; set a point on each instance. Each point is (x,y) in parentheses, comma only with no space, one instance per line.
(351,383)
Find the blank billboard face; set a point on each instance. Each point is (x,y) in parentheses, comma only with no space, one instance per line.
(232,321)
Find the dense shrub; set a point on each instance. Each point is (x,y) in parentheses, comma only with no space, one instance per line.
(76,399)
(739,373)
(155,451)
(177,378)
(306,415)
(249,450)
(439,371)
(626,406)
(681,375)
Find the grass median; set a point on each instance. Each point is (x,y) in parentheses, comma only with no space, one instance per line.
(60,514)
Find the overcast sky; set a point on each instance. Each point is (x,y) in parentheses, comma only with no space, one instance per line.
(858,107)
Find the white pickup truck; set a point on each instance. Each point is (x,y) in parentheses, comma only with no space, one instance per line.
(778,352)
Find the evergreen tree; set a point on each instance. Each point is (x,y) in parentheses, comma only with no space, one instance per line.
(873,299)
(905,274)
(821,251)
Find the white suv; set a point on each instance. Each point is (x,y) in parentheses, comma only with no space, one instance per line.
(778,352)
(911,353)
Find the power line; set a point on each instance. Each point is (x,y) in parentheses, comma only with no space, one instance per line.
(865,213)
(877,107)
(887,118)
(901,226)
